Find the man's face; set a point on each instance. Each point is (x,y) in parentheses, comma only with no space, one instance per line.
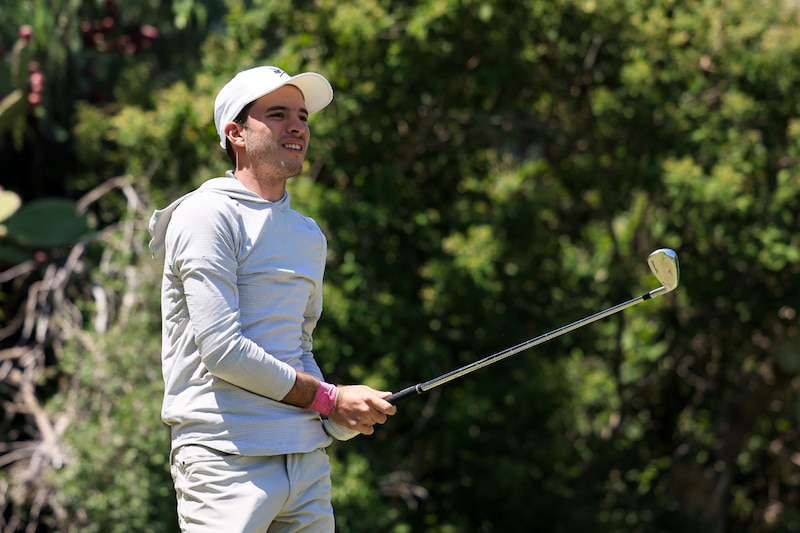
(276,133)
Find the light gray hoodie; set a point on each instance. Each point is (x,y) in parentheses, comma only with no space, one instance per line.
(241,294)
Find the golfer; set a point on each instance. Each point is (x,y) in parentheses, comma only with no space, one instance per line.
(241,294)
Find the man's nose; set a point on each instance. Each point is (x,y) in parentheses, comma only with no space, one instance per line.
(296,125)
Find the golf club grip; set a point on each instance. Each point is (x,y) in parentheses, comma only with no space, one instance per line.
(403,395)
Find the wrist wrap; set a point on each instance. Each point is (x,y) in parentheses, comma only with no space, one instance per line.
(324,399)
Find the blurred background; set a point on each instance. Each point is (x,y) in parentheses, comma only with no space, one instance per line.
(489,170)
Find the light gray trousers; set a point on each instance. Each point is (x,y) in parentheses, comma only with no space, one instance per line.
(234,493)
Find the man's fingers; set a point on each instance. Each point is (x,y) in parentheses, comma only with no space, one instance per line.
(387,407)
(382,406)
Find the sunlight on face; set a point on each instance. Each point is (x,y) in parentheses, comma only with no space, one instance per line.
(277,134)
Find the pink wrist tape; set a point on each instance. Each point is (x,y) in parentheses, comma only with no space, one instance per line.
(324,399)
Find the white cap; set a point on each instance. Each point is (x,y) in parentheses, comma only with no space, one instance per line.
(250,85)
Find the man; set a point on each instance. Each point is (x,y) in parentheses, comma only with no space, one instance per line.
(241,295)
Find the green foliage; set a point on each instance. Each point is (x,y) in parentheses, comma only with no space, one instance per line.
(14,91)
(43,224)
(47,222)
(117,475)
(490,171)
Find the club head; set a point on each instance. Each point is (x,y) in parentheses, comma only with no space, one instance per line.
(664,264)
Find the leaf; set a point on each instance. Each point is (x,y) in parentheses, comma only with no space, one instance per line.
(11,254)
(46,223)
(9,203)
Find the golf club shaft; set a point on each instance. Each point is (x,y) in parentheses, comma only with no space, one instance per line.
(421,388)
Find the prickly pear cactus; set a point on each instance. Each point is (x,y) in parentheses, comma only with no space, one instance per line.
(9,203)
(15,86)
(47,223)
(10,253)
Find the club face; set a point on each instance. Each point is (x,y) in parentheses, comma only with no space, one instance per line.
(664,265)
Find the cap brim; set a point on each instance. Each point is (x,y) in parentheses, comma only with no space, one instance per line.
(317,91)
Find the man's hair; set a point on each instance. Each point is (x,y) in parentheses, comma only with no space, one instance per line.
(241,118)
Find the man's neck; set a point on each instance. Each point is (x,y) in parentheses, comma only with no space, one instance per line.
(269,189)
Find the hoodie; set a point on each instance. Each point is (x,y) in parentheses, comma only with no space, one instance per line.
(241,294)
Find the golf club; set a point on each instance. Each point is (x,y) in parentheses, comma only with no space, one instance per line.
(664,265)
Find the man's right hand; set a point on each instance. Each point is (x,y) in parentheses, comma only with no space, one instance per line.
(359,407)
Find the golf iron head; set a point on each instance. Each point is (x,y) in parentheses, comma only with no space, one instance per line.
(666,268)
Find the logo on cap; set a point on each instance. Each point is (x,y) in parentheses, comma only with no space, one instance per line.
(279,72)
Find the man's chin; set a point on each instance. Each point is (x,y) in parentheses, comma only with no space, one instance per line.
(284,169)
(292,168)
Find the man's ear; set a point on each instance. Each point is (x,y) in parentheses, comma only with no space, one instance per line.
(233,131)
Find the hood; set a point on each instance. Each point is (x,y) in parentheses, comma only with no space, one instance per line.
(228,186)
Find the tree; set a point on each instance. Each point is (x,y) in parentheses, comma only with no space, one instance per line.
(489,171)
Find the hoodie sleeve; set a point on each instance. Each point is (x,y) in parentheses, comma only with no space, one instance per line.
(311,317)
(201,244)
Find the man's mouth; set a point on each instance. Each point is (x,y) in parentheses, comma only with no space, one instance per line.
(293,146)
